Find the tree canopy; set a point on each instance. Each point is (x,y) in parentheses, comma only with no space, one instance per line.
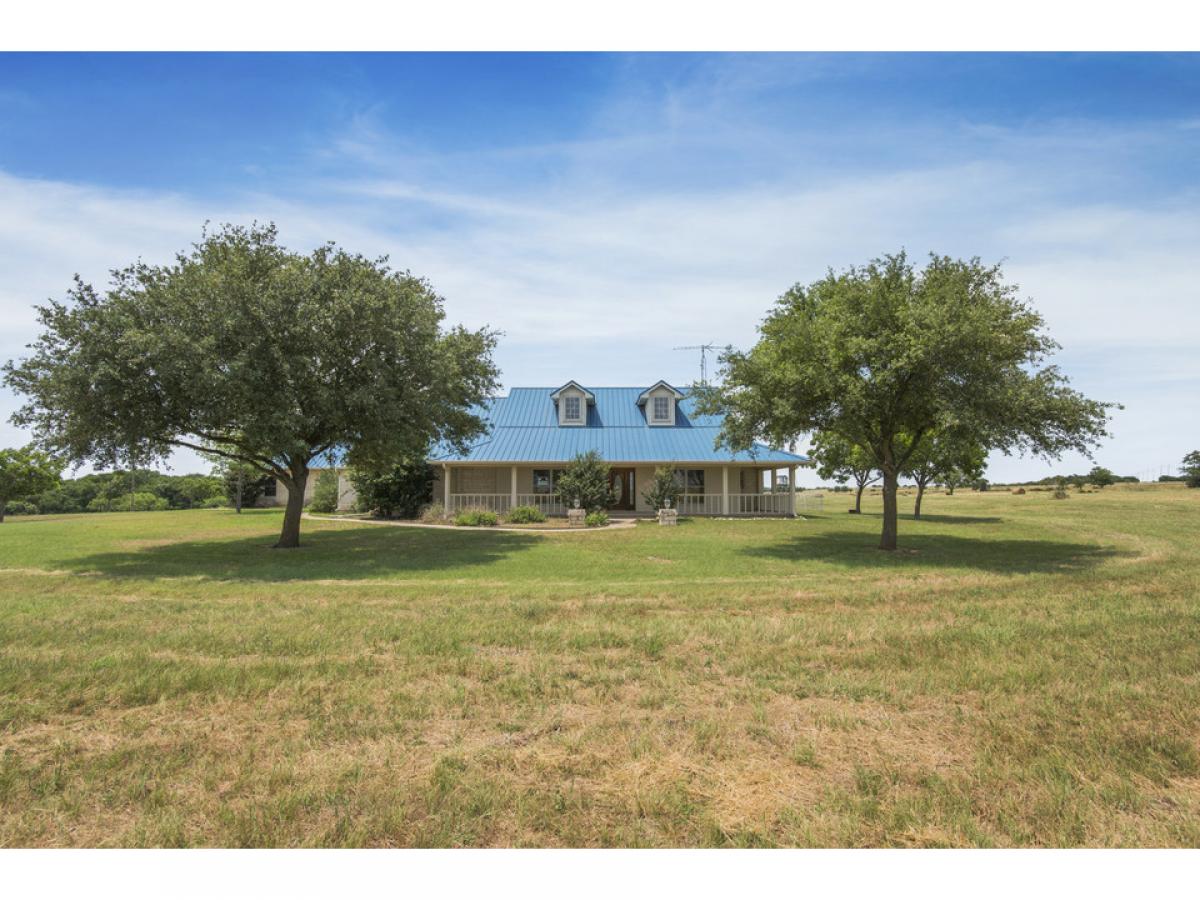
(883,355)
(257,354)
(946,456)
(840,460)
(25,470)
(1191,469)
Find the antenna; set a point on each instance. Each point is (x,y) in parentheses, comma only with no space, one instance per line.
(704,348)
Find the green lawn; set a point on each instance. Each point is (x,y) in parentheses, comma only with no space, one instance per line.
(1025,672)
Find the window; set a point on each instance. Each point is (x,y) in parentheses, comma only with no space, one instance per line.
(571,408)
(268,487)
(545,480)
(691,480)
(662,409)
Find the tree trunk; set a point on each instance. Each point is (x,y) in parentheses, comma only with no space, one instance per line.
(3,507)
(887,540)
(290,536)
(241,488)
(858,497)
(920,494)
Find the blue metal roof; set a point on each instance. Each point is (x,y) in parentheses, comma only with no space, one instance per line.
(523,427)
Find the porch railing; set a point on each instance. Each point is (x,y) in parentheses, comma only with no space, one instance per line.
(498,503)
(700,504)
(764,504)
(549,504)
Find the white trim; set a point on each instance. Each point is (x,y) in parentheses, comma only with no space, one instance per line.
(654,387)
(575,385)
(565,395)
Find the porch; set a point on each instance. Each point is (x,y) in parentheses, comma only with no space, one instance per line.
(707,490)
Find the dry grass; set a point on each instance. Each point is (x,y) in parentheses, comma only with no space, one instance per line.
(1025,674)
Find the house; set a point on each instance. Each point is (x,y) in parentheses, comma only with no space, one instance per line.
(533,432)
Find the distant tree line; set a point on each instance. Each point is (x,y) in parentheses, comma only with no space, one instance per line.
(123,490)
(1098,476)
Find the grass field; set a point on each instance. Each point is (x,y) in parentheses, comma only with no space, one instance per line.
(1024,672)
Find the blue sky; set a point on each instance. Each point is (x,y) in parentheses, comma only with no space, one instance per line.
(601,209)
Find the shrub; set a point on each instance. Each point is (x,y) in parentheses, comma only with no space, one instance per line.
(142,501)
(399,491)
(1060,490)
(213,503)
(596,519)
(586,479)
(434,512)
(477,517)
(664,491)
(525,515)
(21,508)
(325,494)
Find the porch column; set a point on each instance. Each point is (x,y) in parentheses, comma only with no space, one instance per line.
(725,490)
(512,489)
(446,486)
(792,490)
(774,480)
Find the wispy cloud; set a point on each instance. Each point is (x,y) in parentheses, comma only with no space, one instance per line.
(598,255)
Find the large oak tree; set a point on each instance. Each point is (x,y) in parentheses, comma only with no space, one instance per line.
(256,354)
(885,355)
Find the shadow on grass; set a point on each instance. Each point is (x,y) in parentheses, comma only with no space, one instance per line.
(345,553)
(857,549)
(953,520)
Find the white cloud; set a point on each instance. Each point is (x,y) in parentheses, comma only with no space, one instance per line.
(598,283)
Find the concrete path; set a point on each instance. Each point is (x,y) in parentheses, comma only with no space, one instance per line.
(613,525)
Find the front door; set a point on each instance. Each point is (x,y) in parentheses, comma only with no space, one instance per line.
(621,482)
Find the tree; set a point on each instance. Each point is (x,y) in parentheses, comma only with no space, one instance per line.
(884,355)
(1101,477)
(664,489)
(586,479)
(400,490)
(840,460)
(188,491)
(1191,469)
(325,494)
(943,456)
(23,471)
(242,484)
(258,355)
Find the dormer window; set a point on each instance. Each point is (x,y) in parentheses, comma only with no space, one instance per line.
(571,408)
(659,403)
(572,401)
